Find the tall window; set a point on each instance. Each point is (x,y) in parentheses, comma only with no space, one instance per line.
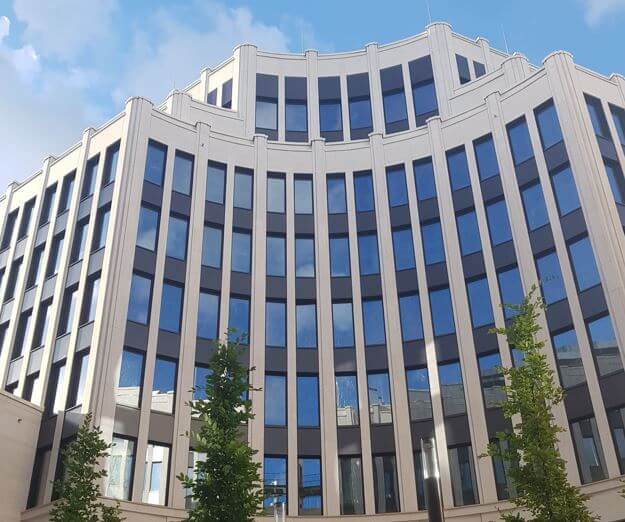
(604,346)
(410,317)
(403,249)
(304,257)
(386,489)
(337,199)
(468,232)
(616,418)
(110,164)
(80,238)
(442,312)
(330,115)
(140,298)
(534,205)
(226,94)
(423,89)
(306,325)
(452,388)
(584,265)
(35,265)
(339,256)
(347,412)
(396,185)
(212,246)
(68,310)
(275,481)
(27,214)
(171,307)
(276,193)
(486,157)
(520,141)
(363,192)
(565,191)
(350,486)
(276,255)
(616,180)
(360,120)
(309,486)
(164,385)
(433,246)
(156,474)
(53,404)
(295,109)
(155,162)
(243,188)
(275,324)
(548,124)
(479,302)
(241,251)
(394,99)
(368,257)
(91,171)
(42,324)
(510,288)
(303,191)
(130,381)
(492,379)
(423,171)
(498,222)
(551,283)
(183,173)
(101,228)
(239,318)
(597,116)
(9,229)
(207,315)
(267,105)
(462,471)
(23,330)
(569,360)
(121,468)
(148,227)
(14,276)
(307,401)
(379,391)
(66,191)
(343,325)
(177,235)
(618,115)
(588,449)
(90,299)
(419,400)
(275,400)
(200,374)
(464,74)
(458,168)
(215,182)
(76,392)
(46,206)
(373,322)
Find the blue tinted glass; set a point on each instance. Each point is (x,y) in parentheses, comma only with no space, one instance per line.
(347,400)
(396,184)
(171,308)
(368,258)
(597,117)
(403,248)
(199,383)
(615,178)
(343,325)
(424,97)
(433,247)
(418,384)
(207,315)
(452,388)
(148,228)
(307,401)
(211,246)
(469,233)
(410,316)
(211,97)
(275,194)
(424,179)
(215,182)
(379,398)
(520,142)
(548,126)
(373,322)
(498,223)
(266,114)
(584,266)
(140,294)
(241,252)
(306,325)
(492,380)
(239,318)
(565,191)
(303,192)
(274,478)
(535,208)
(183,173)
(330,118)
(164,378)
(511,289)
(479,68)
(276,256)
(604,345)
(337,203)
(618,115)
(360,113)
(550,277)
(275,400)
(442,312)
(243,190)
(155,163)
(394,107)
(339,256)
(309,486)
(363,188)
(275,324)
(486,158)
(304,257)
(463,69)
(296,117)
(131,371)
(568,358)
(479,303)
(458,169)
(177,238)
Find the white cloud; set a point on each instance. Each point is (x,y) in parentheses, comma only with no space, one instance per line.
(24,60)
(597,10)
(170,52)
(64,29)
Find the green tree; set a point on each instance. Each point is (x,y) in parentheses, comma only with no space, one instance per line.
(539,474)
(226,484)
(78,490)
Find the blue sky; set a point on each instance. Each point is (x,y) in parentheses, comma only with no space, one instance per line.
(69,64)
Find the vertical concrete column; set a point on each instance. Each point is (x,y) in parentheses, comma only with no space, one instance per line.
(487,57)
(204,79)
(604,227)
(443,65)
(397,371)
(345,108)
(412,121)
(515,69)
(244,86)
(527,268)
(464,334)
(327,393)
(281,108)
(375,87)
(257,346)
(178,105)
(361,365)
(312,58)
(226,263)
(619,79)
(188,330)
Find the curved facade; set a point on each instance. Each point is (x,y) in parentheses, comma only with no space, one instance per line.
(362,216)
